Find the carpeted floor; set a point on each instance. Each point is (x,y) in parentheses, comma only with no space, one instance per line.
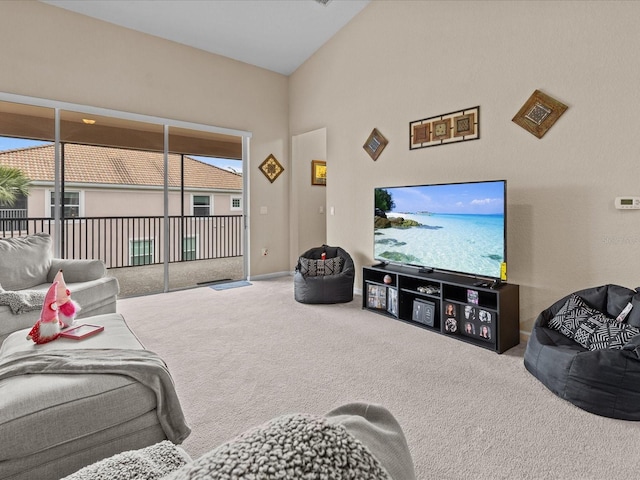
(242,356)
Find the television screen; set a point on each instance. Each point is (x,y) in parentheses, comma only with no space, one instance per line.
(455,227)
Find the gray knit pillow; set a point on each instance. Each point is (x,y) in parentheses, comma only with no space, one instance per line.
(296,446)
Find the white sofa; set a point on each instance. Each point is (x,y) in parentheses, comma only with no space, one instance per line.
(27,264)
(68,403)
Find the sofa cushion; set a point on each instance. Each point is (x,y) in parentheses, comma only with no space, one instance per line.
(24,261)
(39,412)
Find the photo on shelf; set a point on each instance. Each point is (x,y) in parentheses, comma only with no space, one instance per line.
(451,325)
(377,296)
(450,310)
(470,313)
(469,329)
(392,301)
(424,312)
(485,332)
(484,316)
(472,296)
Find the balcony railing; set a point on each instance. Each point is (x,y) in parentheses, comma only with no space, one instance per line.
(133,241)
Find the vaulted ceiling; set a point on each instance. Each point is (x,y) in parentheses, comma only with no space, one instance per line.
(278,35)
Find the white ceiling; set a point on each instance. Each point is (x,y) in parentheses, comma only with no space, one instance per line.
(278,35)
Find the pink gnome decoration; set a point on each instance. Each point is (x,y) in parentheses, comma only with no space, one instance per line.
(67,308)
(48,327)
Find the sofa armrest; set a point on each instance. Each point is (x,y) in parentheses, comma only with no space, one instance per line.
(77,270)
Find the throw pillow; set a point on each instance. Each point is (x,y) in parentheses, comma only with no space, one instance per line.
(319,268)
(600,331)
(24,261)
(571,315)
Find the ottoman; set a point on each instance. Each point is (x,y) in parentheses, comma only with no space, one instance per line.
(53,424)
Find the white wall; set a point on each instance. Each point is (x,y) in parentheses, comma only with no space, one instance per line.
(400,61)
(51,53)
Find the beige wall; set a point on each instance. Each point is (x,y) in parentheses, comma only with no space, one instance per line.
(404,60)
(308,202)
(58,55)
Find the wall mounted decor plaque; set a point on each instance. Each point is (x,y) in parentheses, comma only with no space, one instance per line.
(271,168)
(375,144)
(539,113)
(451,127)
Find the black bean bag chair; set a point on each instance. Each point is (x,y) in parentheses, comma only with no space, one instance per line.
(591,361)
(324,281)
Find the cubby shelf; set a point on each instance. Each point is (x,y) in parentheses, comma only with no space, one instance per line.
(449,304)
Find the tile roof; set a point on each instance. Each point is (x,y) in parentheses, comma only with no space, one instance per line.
(106,165)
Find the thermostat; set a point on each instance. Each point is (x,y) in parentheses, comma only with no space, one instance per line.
(624,203)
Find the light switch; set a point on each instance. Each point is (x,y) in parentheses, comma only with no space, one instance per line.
(263,210)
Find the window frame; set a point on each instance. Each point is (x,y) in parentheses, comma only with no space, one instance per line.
(194,206)
(231,207)
(49,205)
(152,243)
(195,251)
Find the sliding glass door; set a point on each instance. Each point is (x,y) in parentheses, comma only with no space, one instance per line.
(156,200)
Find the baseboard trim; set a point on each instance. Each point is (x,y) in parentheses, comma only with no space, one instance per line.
(267,276)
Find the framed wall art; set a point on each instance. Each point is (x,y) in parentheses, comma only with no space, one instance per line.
(319,172)
(375,144)
(539,113)
(271,168)
(453,127)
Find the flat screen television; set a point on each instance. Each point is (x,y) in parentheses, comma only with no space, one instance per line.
(453,227)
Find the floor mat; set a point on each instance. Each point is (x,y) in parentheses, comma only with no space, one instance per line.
(226,286)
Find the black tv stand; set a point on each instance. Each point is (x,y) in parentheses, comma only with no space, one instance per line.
(425,270)
(485,313)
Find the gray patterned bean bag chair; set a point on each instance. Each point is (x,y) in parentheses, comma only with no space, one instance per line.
(582,353)
(324,281)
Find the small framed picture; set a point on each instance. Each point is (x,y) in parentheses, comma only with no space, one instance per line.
(472,296)
(81,331)
(319,172)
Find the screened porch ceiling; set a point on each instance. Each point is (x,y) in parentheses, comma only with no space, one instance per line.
(37,123)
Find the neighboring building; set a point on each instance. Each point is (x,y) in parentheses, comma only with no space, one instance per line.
(114,204)
(104,181)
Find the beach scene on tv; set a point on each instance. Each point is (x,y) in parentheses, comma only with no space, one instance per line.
(455,227)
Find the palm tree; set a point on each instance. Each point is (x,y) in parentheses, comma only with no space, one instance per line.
(13,183)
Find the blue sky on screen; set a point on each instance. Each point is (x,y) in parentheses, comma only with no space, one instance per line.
(8,143)
(481,198)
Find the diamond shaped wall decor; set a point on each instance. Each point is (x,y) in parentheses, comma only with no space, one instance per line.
(271,168)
